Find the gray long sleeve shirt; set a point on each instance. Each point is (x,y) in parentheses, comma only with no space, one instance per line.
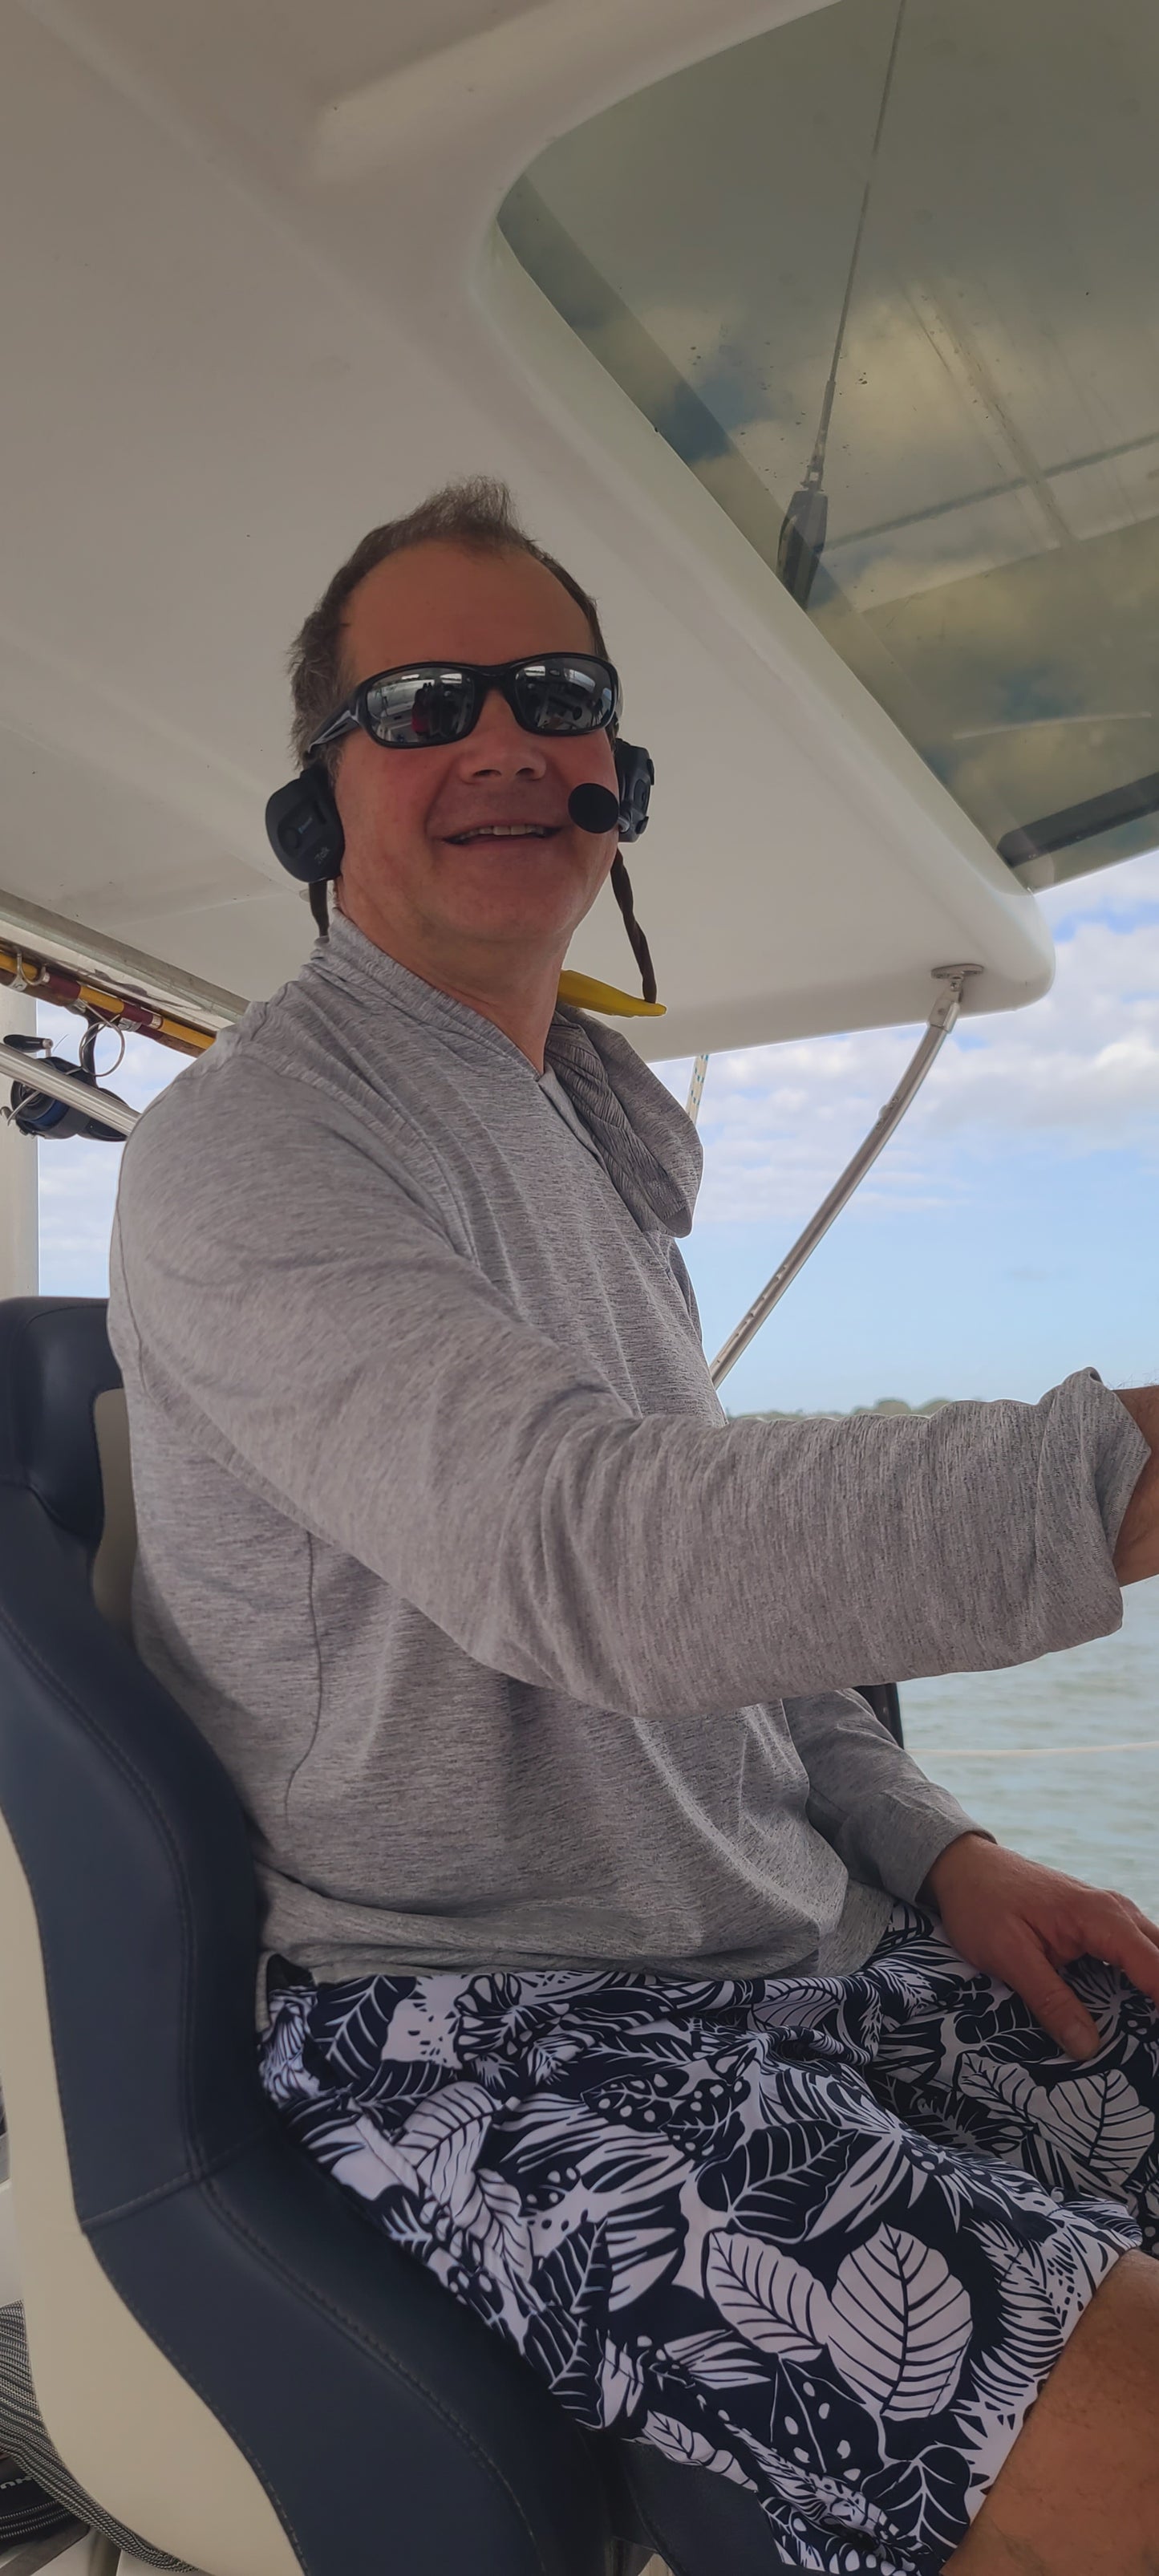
(518,1653)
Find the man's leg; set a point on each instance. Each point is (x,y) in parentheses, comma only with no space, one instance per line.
(1079,2494)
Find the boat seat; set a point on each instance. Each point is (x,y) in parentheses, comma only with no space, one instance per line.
(229,2366)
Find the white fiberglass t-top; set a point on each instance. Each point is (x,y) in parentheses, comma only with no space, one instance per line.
(857,293)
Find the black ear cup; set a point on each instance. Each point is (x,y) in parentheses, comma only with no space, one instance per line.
(305,827)
(636,775)
(594,809)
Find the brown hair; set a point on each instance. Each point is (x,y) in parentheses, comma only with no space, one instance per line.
(479,512)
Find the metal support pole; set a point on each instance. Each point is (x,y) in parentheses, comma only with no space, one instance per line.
(39,1073)
(696,1088)
(937,1030)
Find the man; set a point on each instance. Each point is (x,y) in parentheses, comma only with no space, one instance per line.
(622,1964)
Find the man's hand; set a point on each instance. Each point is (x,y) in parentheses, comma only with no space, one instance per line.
(1024,1923)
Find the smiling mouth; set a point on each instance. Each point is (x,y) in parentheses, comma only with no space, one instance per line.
(503,832)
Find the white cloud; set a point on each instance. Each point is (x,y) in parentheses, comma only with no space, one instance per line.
(1081,1067)
(1115,890)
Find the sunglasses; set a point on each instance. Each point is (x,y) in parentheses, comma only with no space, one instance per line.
(431,703)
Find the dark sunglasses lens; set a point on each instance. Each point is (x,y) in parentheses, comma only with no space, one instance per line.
(427,705)
(564,694)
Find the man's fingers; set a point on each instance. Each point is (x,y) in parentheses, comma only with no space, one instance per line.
(1112,1928)
(1125,1946)
(1053,2002)
(1143,1924)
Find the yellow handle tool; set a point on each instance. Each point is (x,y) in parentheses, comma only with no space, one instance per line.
(586,993)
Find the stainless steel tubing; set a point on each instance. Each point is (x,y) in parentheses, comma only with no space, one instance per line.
(40,1074)
(695,1088)
(937,1030)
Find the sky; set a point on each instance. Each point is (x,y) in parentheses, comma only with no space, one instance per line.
(1008,1234)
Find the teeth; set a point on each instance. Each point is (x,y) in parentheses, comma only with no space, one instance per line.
(505,832)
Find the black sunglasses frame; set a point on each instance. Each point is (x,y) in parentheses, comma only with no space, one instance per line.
(484,676)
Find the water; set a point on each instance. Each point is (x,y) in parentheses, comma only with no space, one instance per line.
(1060,1759)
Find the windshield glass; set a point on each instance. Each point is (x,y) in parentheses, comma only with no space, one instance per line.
(981,542)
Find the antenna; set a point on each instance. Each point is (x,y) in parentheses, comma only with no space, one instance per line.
(804,526)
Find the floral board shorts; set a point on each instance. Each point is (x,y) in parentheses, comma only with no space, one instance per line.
(824,2235)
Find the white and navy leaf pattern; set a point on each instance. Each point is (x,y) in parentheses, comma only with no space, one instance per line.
(622,2385)
(883,2169)
(999,2082)
(899,2324)
(714,2360)
(361,2163)
(680,2442)
(501,2229)
(765,2186)
(765,2295)
(285,2077)
(1072,2262)
(1010,2372)
(640,2254)
(793,2485)
(565,2339)
(825,2237)
(442,2142)
(1042,2291)
(1093,2120)
(1100,2124)
(926,2498)
(611,2157)
(775,2196)
(353,2023)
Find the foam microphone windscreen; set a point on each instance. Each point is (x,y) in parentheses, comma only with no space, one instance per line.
(594,808)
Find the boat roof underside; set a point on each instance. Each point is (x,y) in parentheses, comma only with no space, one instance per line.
(259,304)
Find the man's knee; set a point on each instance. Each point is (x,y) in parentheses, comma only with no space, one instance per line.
(1079,2494)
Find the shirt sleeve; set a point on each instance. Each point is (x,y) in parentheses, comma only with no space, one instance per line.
(869,1798)
(310,1313)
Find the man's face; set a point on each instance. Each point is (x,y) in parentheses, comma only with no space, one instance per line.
(407,878)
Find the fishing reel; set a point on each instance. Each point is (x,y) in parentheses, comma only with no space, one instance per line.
(35,1113)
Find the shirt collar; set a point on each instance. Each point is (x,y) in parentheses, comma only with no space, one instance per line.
(648,1146)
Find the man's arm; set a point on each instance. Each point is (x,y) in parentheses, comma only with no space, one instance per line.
(895,1828)
(1137,1546)
(884,1818)
(307,1308)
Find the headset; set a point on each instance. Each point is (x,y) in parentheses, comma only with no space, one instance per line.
(305,827)
(305,830)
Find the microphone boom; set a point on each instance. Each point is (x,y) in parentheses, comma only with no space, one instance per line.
(594,808)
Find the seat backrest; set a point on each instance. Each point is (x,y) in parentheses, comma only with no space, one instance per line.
(65,1431)
(228,2357)
(116,2408)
